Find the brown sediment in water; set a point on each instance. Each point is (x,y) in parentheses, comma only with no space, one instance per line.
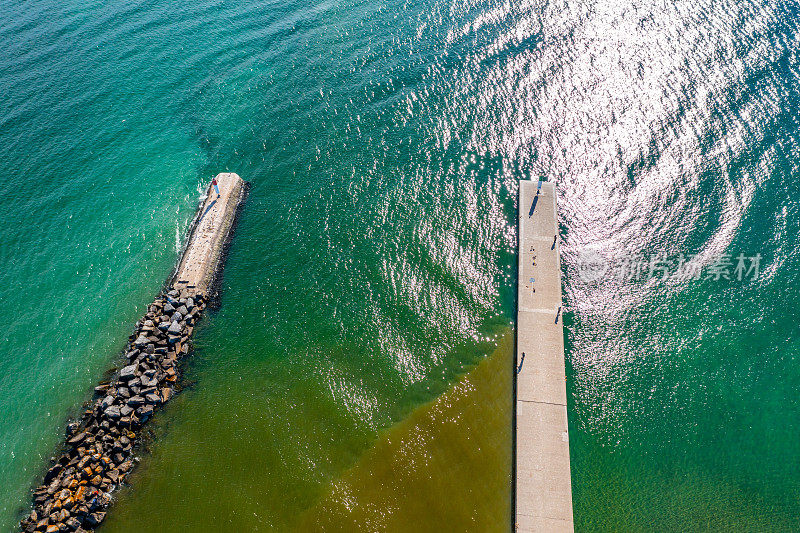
(447,467)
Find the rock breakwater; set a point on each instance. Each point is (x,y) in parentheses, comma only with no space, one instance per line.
(97,451)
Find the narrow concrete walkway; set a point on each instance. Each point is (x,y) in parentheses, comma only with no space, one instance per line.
(210,229)
(543,488)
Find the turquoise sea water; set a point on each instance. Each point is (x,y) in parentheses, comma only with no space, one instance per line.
(374,262)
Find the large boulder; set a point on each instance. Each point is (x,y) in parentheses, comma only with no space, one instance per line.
(112,412)
(128,372)
(144,412)
(166,394)
(136,401)
(75,440)
(106,402)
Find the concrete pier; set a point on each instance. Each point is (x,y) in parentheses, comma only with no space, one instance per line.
(209,231)
(98,452)
(543,488)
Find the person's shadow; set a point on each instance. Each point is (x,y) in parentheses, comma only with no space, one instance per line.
(533,206)
(206,211)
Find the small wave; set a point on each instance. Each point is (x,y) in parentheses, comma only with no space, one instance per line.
(177,237)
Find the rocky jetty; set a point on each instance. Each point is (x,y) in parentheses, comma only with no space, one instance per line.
(97,451)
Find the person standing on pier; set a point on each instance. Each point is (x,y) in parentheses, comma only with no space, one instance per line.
(216,187)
